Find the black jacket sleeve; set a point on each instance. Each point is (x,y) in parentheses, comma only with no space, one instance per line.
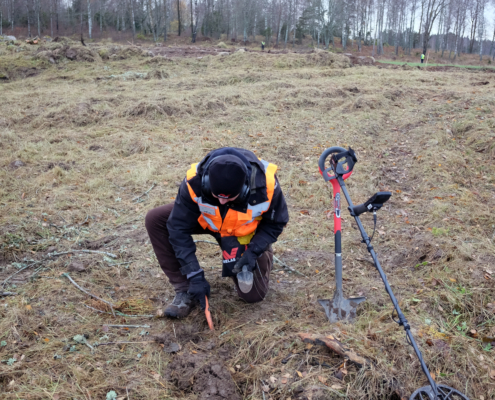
(272,224)
(181,224)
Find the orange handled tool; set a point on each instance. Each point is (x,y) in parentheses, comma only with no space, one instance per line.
(208,315)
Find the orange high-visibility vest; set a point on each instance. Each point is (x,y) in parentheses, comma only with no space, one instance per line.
(236,223)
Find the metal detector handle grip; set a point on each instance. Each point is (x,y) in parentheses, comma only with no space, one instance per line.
(358,210)
(321,163)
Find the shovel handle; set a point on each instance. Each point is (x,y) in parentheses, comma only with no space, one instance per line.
(208,315)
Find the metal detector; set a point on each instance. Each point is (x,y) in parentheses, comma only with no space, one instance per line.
(341,164)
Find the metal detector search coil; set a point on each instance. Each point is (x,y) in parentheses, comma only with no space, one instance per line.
(342,163)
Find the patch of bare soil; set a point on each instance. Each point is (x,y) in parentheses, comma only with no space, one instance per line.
(54,52)
(183,335)
(204,375)
(99,243)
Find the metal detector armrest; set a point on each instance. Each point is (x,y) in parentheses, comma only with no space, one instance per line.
(337,168)
(350,160)
(374,203)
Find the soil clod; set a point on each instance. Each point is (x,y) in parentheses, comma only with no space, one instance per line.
(207,377)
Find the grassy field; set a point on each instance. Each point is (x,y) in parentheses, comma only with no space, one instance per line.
(82,142)
(413,64)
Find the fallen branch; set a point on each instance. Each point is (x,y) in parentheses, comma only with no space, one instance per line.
(88,293)
(145,193)
(128,326)
(87,344)
(334,345)
(36,271)
(286,266)
(7,294)
(109,343)
(82,251)
(82,223)
(22,269)
(122,263)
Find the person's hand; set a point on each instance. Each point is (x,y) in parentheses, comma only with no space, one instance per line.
(248,259)
(199,288)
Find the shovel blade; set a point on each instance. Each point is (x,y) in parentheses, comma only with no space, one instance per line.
(340,309)
(245,280)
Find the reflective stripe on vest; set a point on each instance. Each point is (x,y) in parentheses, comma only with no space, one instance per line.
(235,223)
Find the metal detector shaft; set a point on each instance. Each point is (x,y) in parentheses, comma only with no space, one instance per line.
(402,318)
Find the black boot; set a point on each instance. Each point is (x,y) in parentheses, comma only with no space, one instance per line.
(181,306)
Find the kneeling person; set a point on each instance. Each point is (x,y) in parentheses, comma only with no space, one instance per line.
(235,197)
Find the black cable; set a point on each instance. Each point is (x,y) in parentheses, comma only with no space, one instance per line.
(393,319)
(374,225)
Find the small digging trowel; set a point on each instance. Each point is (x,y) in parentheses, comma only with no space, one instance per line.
(245,280)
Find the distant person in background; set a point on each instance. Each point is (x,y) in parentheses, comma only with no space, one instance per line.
(262,46)
(422,58)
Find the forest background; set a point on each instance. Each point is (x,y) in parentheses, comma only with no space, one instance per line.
(452,27)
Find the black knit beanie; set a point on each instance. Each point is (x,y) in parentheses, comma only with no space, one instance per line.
(227,176)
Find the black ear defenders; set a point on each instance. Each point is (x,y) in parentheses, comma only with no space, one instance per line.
(206,189)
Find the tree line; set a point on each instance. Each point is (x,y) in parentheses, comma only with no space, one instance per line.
(453,26)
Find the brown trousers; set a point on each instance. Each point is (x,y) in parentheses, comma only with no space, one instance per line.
(156,225)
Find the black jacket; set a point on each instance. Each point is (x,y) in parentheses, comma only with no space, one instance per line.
(184,217)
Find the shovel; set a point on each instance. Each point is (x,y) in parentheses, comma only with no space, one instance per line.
(339,308)
(245,280)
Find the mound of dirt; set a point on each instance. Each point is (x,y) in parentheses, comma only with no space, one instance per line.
(80,114)
(327,59)
(283,61)
(149,109)
(81,53)
(157,74)
(63,39)
(131,51)
(122,52)
(360,60)
(206,376)
(55,51)
(157,60)
(368,103)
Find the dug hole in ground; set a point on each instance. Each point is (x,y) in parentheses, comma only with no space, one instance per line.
(93,139)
